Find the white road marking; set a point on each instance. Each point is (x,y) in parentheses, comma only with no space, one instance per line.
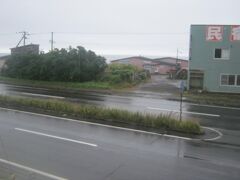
(96,124)
(42,95)
(214,106)
(32,170)
(213,139)
(186,112)
(113,127)
(55,137)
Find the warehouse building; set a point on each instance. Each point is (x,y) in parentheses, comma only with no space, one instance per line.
(163,65)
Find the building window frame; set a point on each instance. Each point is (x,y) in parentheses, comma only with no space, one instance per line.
(236,76)
(222,58)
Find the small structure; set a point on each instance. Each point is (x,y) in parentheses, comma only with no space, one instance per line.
(137,61)
(214,63)
(164,65)
(27,49)
(170,65)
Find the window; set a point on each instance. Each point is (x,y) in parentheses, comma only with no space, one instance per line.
(218,53)
(224,80)
(221,53)
(230,80)
(238,80)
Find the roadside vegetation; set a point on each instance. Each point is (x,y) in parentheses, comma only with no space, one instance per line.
(220,99)
(100,85)
(107,115)
(70,68)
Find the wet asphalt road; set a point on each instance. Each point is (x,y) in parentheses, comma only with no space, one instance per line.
(225,119)
(74,150)
(119,154)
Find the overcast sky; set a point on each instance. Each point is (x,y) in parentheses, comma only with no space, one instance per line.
(115,27)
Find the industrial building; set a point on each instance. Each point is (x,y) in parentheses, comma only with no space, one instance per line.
(26,49)
(165,65)
(214,59)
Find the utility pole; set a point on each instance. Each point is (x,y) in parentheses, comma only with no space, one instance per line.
(24,37)
(51,41)
(177,59)
(181,99)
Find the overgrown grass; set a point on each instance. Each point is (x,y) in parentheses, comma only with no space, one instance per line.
(161,122)
(221,99)
(57,85)
(91,85)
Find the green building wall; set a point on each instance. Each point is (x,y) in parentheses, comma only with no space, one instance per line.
(201,58)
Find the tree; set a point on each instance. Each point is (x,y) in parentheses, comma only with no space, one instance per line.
(75,64)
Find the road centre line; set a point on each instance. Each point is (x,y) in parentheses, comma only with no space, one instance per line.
(96,124)
(214,106)
(186,112)
(42,95)
(55,137)
(32,170)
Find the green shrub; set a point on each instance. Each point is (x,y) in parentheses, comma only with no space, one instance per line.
(119,73)
(163,122)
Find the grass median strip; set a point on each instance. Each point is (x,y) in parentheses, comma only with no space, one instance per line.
(218,99)
(145,120)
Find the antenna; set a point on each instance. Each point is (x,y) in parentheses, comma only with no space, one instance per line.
(24,37)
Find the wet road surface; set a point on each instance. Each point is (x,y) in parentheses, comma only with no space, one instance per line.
(119,154)
(226,119)
(58,149)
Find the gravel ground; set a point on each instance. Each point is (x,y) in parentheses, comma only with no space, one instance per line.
(160,84)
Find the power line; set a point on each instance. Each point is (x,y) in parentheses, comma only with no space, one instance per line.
(105,33)
(7,34)
(124,33)
(39,33)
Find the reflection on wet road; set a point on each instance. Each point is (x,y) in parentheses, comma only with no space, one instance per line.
(122,150)
(226,120)
(211,116)
(50,146)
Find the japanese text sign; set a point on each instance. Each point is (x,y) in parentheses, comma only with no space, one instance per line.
(235,33)
(214,33)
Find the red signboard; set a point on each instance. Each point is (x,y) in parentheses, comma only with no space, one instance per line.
(235,33)
(214,33)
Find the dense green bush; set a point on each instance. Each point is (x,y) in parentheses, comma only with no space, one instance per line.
(118,73)
(59,65)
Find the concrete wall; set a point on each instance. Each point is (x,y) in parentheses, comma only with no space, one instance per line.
(184,64)
(164,69)
(202,58)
